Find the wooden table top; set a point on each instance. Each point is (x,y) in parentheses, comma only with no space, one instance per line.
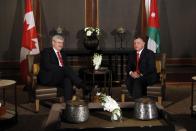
(194,78)
(6,83)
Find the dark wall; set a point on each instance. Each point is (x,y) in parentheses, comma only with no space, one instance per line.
(69,14)
(177,18)
(114,14)
(178,28)
(11,18)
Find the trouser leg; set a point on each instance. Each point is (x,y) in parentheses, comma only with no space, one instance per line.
(136,87)
(129,85)
(73,77)
(68,89)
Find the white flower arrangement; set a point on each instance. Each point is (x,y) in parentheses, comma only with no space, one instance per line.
(97,58)
(110,105)
(91,30)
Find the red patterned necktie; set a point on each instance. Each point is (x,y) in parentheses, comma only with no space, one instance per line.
(137,63)
(60,58)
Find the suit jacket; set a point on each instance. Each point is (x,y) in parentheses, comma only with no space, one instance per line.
(147,65)
(50,72)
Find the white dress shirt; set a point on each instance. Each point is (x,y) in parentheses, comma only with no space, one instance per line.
(139,57)
(57,56)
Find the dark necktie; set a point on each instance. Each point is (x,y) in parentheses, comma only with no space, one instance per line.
(60,58)
(137,63)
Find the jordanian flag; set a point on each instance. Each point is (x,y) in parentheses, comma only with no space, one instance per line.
(153,26)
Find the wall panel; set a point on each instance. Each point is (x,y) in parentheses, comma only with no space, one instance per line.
(117,13)
(69,14)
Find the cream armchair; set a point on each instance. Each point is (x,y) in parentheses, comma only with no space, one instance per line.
(38,92)
(158,89)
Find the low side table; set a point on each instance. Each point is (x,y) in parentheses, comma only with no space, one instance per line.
(10,115)
(106,73)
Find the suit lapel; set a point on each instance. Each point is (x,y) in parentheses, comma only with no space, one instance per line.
(63,57)
(54,57)
(142,56)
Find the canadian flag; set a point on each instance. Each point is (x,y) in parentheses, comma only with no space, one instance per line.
(29,39)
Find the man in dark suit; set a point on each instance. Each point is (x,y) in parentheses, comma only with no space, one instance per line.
(54,70)
(141,69)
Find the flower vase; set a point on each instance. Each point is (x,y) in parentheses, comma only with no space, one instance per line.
(116,115)
(109,104)
(91,43)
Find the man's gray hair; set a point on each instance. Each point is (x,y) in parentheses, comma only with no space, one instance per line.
(58,37)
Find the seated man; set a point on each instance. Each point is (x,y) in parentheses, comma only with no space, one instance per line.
(141,69)
(54,70)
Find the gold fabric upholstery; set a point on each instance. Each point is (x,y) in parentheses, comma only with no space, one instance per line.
(36,69)
(158,66)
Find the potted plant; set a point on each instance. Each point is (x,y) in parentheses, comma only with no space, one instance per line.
(97,59)
(91,38)
(110,105)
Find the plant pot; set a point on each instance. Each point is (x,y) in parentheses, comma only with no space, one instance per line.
(76,111)
(145,109)
(91,44)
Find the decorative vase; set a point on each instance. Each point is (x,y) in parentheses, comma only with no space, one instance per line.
(76,111)
(116,115)
(91,43)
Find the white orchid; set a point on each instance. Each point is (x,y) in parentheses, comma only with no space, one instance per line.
(110,105)
(88,33)
(97,30)
(97,58)
(90,30)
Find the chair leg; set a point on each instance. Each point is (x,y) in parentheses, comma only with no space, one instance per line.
(122,97)
(159,100)
(37,105)
(61,99)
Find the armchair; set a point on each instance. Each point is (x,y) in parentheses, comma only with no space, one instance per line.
(158,89)
(38,92)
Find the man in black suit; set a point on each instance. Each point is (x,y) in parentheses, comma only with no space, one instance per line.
(54,70)
(141,69)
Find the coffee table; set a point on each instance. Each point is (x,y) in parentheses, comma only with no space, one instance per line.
(100,120)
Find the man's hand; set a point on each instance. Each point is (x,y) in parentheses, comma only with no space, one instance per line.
(135,74)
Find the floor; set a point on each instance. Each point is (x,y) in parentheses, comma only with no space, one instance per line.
(177,103)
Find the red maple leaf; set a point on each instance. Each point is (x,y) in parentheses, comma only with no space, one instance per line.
(27,37)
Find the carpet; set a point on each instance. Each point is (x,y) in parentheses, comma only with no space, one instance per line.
(177,103)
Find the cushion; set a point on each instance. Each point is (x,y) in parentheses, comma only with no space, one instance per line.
(158,66)
(36,69)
